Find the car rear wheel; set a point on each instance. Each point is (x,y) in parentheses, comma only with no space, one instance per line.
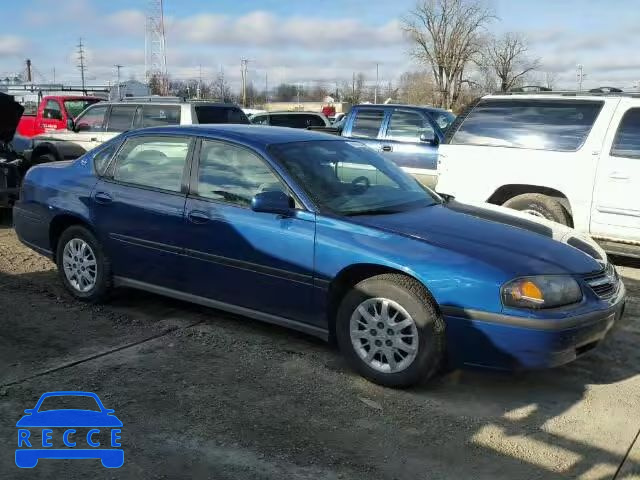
(540,205)
(389,330)
(82,265)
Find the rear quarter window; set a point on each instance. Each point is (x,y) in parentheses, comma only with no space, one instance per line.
(219,114)
(367,123)
(158,115)
(561,125)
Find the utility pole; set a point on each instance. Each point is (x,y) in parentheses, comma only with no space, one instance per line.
(580,76)
(118,67)
(266,87)
(54,75)
(29,73)
(353,88)
(375,94)
(199,84)
(81,66)
(243,70)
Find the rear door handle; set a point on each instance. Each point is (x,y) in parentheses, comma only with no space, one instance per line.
(103,198)
(386,148)
(197,216)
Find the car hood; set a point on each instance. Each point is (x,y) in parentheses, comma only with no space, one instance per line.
(10,113)
(69,418)
(499,236)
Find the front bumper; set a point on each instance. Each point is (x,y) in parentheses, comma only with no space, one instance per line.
(514,342)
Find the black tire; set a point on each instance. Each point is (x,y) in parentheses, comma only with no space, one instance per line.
(417,301)
(547,207)
(104,280)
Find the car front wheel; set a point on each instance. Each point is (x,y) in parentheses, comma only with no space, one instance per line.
(388,328)
(82,265)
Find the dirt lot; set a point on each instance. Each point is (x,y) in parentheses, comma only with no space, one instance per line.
(207,395)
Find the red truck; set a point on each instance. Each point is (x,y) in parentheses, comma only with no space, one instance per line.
(53,113)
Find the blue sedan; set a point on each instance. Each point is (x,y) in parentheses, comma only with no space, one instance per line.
(323,235)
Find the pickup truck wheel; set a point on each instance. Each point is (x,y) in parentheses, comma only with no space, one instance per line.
(540,205)
(83,267)
(389,330)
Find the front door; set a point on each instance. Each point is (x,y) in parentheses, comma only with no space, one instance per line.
(403,145)
(138,208)
(260,261)
(616,212)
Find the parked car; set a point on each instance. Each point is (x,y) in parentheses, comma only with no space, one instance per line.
(407,135)
(103,121)
(570,158)
(291,119)
(324,235)
(13,163)
(53,113)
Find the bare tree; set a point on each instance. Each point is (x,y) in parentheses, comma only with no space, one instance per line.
(354,92)
(506,57)
(417,88)
(550,79)
(447,36)
(220,89)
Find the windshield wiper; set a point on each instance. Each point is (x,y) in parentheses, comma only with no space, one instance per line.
(379,211)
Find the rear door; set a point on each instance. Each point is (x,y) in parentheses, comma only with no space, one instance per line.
(366,125)
(403,145)
(616,212)
(90,127)
(121,118)
(548,142)
(138,208)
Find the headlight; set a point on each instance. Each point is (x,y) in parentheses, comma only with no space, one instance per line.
(544,291)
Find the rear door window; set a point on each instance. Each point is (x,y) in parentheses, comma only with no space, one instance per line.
(560,125)
(121,118)
(260,119)
(220,114)
(408,126)
(296,120)
(158,115)
(367,123)
(155,162)
(627,141)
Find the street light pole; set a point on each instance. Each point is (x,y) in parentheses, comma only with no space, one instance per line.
(375,94)
(118,67)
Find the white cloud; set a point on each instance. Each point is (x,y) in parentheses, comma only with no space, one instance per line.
(11,45)
(260,29)
(130,22)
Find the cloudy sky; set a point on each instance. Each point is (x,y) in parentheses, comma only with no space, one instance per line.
(303,40)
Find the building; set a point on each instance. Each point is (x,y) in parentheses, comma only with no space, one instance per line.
(130,88)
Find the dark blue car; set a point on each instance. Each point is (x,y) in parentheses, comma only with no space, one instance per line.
(323,235)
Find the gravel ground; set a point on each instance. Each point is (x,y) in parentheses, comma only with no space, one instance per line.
(208,395)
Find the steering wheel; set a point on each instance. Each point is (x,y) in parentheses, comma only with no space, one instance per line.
(363,183)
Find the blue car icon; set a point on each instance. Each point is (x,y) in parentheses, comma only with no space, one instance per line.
(28,452)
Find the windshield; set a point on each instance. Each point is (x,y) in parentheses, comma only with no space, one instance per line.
(443,119)
(349,178)
(74,107)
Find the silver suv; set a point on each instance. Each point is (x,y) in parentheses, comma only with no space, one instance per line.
(102,121)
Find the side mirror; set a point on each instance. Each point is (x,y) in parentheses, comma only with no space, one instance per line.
(273,202)
(433,140)
(82,127)
(71,124)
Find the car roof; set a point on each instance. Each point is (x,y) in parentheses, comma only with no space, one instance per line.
(426,108)
(256,135)
(287,112)
(553,96)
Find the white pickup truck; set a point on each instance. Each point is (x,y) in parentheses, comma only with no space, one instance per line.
(571,158)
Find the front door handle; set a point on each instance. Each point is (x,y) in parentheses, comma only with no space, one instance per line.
(618,176)
(197,216)
(386,148)
(103,198)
